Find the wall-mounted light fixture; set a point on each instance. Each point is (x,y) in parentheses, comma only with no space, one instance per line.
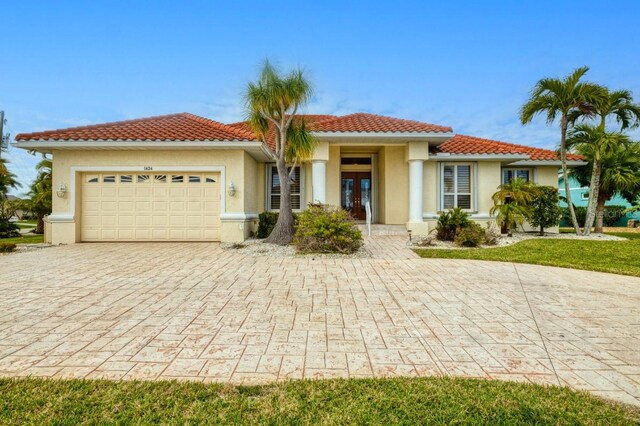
(62,189)
(232,189)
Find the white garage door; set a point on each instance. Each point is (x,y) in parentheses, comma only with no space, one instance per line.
(150,207)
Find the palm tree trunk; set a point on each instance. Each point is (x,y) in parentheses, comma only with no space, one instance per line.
(602,199)
(40,225)
(283,231)
(565,174)
(594,188)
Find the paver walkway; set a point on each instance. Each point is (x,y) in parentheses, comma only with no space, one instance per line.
(194,311)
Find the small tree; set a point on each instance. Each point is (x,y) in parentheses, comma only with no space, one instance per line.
(545,211)
(512,202)
(272,104)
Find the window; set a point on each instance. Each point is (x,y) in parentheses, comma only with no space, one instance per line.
(210,179)
(109,179)
(143,178)
(509,174)
(585,195)
(160,178)
(126,178)
(194,179)
(456,186)
(92,179)
(177,178)
(274,188)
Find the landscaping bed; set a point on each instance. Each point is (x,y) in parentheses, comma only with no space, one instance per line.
(355,401)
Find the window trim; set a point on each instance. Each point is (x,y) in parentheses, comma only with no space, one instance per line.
(268,171)
(473,176)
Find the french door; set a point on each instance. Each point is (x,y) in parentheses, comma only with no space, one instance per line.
(355,193)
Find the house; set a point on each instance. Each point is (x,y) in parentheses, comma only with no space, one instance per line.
(182,177)
(580,198)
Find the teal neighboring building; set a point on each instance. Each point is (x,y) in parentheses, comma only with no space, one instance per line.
(580,198)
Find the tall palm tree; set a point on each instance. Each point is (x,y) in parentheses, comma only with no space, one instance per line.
(596,144)
(272,104)
(563,97)
(41,193)
(617,104)
(620,175)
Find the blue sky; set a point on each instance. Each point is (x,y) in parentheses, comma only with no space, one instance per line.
(469,65)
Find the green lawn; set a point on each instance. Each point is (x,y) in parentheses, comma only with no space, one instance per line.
(363,401)
(24,224)
(619,257)
(24,239)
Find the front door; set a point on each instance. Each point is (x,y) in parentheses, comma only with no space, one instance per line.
(355,192)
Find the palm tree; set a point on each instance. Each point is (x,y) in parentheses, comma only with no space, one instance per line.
(596,144)
(272,104)
(512,202)
(563,97)
(620,175)
(617,104)
(7,179)
(40,193)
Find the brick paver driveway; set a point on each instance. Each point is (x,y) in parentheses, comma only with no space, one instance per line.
(195,311)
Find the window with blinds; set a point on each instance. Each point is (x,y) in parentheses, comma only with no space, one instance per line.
(274,188)
(510,174)
(456,186)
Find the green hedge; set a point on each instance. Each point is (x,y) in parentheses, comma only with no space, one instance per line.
(612,215)
(267,221)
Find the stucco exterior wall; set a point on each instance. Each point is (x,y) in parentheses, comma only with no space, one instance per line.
(332,176)
(239,168)
(547,175)
(396,182)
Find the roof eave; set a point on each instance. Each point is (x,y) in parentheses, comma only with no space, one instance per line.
(256,149)
(445,156)
(436,138)
(529,162)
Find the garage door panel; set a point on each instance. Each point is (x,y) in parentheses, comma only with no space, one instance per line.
(108,206)
(126,207)
(159,221)
(109,191)
(125,234)
(124,220)
(143,206)
(147,207)
(126,192)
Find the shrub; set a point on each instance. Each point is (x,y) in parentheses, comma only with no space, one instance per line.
(267,221)
(7,247)
(449,222)
(612,214)
(544,211)
(326,229)
(581,215)
(471,236)
(491,235)
(9,229)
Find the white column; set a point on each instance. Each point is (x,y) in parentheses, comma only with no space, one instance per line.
(415,190)
(319,181)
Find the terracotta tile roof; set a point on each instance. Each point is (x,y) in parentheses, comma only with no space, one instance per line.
(362,122)
(174,127)
(310,120)
(461,144)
